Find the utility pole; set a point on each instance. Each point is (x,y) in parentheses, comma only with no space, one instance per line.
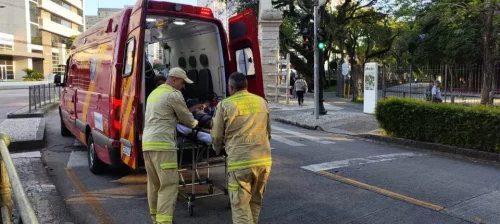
(318,103)
(316,55)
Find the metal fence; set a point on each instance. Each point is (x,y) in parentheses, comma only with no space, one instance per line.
(10,179)
(460,84)
(40,95)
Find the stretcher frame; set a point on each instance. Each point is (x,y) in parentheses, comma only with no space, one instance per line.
(198,147)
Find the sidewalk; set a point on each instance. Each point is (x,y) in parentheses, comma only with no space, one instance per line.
(7,85)
(343,116)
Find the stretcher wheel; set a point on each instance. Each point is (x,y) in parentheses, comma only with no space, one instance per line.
(191,210)
(211,189)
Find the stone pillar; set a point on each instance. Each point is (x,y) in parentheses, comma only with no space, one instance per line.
(269,27)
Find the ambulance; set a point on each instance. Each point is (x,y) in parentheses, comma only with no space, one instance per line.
(109,73)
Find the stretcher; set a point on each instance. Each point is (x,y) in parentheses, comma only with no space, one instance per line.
(198,143)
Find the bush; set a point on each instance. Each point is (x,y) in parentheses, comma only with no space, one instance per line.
(32,75)
(475,127)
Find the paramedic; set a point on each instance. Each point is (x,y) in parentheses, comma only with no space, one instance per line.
(165,106)
(242,122)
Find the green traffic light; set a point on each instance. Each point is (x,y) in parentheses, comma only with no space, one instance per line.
(321,45)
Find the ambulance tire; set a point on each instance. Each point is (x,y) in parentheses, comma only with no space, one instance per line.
(96,166)
(64,130)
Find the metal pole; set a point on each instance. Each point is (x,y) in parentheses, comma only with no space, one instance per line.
(21,200)
(287,77)
(50,95)
(39,95)
(44,95)
(29,106)
(316,51)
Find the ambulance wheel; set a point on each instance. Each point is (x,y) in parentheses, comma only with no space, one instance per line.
(64,130)
(96,166)
(191,210)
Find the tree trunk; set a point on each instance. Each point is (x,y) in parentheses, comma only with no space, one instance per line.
(489,65)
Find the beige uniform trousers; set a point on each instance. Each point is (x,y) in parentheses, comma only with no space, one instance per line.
(246,192)
(163,181)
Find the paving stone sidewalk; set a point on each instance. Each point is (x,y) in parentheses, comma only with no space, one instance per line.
(343,116)
(41,192)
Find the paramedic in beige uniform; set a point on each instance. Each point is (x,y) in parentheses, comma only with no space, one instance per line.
(165,106)
(242,122)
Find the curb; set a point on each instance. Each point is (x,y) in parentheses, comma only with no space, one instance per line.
(31,145)
(309,127)
(39,113)
(435,147)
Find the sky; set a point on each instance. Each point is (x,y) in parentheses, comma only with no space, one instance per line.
(92,5)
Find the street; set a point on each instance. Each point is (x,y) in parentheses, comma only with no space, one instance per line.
(316,177)
(12,100)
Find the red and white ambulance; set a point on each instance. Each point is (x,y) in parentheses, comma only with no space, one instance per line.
(109,77)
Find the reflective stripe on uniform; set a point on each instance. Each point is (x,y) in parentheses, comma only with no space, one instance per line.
(168,165)
(249,163)
(163,218)
(153,211)
(156,145)
(233,187)
(155,95)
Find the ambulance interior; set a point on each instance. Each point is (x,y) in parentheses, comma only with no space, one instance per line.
(192,45)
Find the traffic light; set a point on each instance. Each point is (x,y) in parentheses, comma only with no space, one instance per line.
(321,45)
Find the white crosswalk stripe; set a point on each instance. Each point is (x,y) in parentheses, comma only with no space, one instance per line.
(285,140)
(300,135)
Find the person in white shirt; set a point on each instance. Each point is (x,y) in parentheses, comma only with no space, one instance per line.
(436,92)
(300,88)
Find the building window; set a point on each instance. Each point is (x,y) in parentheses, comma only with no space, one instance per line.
(63,4)
(58,40)
(6,67)
(80,12)
(36,36)
(36,51)
(60,20)
(5,47)
(34,12)
(56,67)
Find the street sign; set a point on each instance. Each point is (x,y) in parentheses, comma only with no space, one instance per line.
(345,69)
(371,87)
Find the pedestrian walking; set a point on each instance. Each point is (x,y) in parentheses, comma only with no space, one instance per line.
(436,92)
(165,106)
(242,122)
(300,89)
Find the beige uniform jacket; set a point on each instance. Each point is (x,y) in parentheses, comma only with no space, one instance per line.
(165,108)
(242,122)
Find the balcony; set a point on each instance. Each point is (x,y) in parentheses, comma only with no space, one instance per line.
(76,3)
(53,27)
(60,11)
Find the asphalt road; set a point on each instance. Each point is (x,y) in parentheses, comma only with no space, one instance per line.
(12,100)
(315,178)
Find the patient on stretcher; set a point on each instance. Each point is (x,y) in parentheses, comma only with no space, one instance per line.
(204,117)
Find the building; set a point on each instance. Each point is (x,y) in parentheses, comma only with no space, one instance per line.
(102,13)
(36,35)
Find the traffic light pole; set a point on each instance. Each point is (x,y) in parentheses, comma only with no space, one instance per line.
(316,69)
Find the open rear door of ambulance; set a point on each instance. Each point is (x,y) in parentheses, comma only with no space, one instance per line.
(130,147)
(244,49)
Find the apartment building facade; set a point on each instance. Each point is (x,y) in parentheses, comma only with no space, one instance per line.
(36,34)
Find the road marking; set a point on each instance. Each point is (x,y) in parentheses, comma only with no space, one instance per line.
(302,135)
(359,161)
(286,141)
(89,198)
(381,191)
(77,159)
